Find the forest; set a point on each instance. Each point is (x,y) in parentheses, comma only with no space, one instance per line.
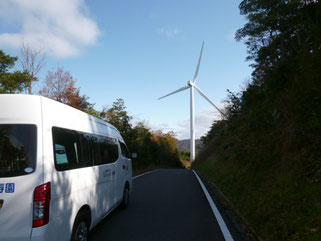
(265,155)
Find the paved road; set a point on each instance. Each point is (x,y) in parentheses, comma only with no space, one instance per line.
(166,205)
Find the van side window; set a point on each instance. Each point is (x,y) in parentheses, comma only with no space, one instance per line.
(75,149)
(124,150)
(96,150)
(110,150)
(67,149)
(86,152)
(105,150)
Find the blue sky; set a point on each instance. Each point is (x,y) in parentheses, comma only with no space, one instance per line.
(136,50)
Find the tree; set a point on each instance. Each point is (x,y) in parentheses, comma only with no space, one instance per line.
(11,82)
(89,107)
(60,86)
(31,61)
(153,148)
(165,151)
(279,29)
(118,116)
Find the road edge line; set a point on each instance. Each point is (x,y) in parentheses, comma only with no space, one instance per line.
(143,174)
(226,233)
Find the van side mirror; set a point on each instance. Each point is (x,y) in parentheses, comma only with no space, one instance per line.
(133,155)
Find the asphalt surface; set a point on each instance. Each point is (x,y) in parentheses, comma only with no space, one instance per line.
(166,205)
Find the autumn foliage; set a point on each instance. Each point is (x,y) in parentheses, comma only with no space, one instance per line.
(60,86)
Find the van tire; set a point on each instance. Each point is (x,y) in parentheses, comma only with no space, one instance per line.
(124,203)
(80,229)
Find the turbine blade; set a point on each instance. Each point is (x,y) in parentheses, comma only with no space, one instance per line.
(202,94)
(180,89)
(198,65)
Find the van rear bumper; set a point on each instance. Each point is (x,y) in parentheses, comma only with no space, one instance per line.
(49,232)
(6,238)
(40,234)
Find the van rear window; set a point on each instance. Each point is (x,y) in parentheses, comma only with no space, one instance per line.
(18,148)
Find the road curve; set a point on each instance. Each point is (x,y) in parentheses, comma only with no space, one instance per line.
(166,205)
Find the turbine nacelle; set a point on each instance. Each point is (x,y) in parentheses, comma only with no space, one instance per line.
(190,83)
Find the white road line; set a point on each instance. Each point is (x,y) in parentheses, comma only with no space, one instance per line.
(226,233)
(146,173)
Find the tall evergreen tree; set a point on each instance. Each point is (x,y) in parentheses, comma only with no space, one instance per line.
(11,82)
(118,116)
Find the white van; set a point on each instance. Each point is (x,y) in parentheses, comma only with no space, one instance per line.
(61,170)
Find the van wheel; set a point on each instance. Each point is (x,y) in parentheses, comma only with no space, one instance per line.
(124,203)
(80,229)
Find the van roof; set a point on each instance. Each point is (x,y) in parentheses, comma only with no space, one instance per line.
(21,97)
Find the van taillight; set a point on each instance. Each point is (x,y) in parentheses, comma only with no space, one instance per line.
(41,203)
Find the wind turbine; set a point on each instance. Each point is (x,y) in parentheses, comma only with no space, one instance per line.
(191,85)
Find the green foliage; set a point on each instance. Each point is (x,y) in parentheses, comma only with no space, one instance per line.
(154,149)
(92,111)
(11,82)
(185,155)
(278,29)
(88,107)
(266,154)
(6,62)
(118,116)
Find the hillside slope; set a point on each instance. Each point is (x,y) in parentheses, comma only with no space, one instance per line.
(265,155)
(183,145)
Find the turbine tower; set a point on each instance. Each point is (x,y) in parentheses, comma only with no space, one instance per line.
(191,85)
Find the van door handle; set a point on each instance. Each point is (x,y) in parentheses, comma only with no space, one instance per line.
(106,173)
(124,167)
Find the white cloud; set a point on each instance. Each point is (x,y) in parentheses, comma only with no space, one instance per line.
(169,32)
(203,122)
(59,27)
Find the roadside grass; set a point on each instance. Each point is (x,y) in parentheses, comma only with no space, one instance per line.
(279,203)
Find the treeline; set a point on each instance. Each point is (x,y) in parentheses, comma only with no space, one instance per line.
(154,148)
(266,155)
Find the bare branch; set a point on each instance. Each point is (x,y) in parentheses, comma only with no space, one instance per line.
(31,61)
